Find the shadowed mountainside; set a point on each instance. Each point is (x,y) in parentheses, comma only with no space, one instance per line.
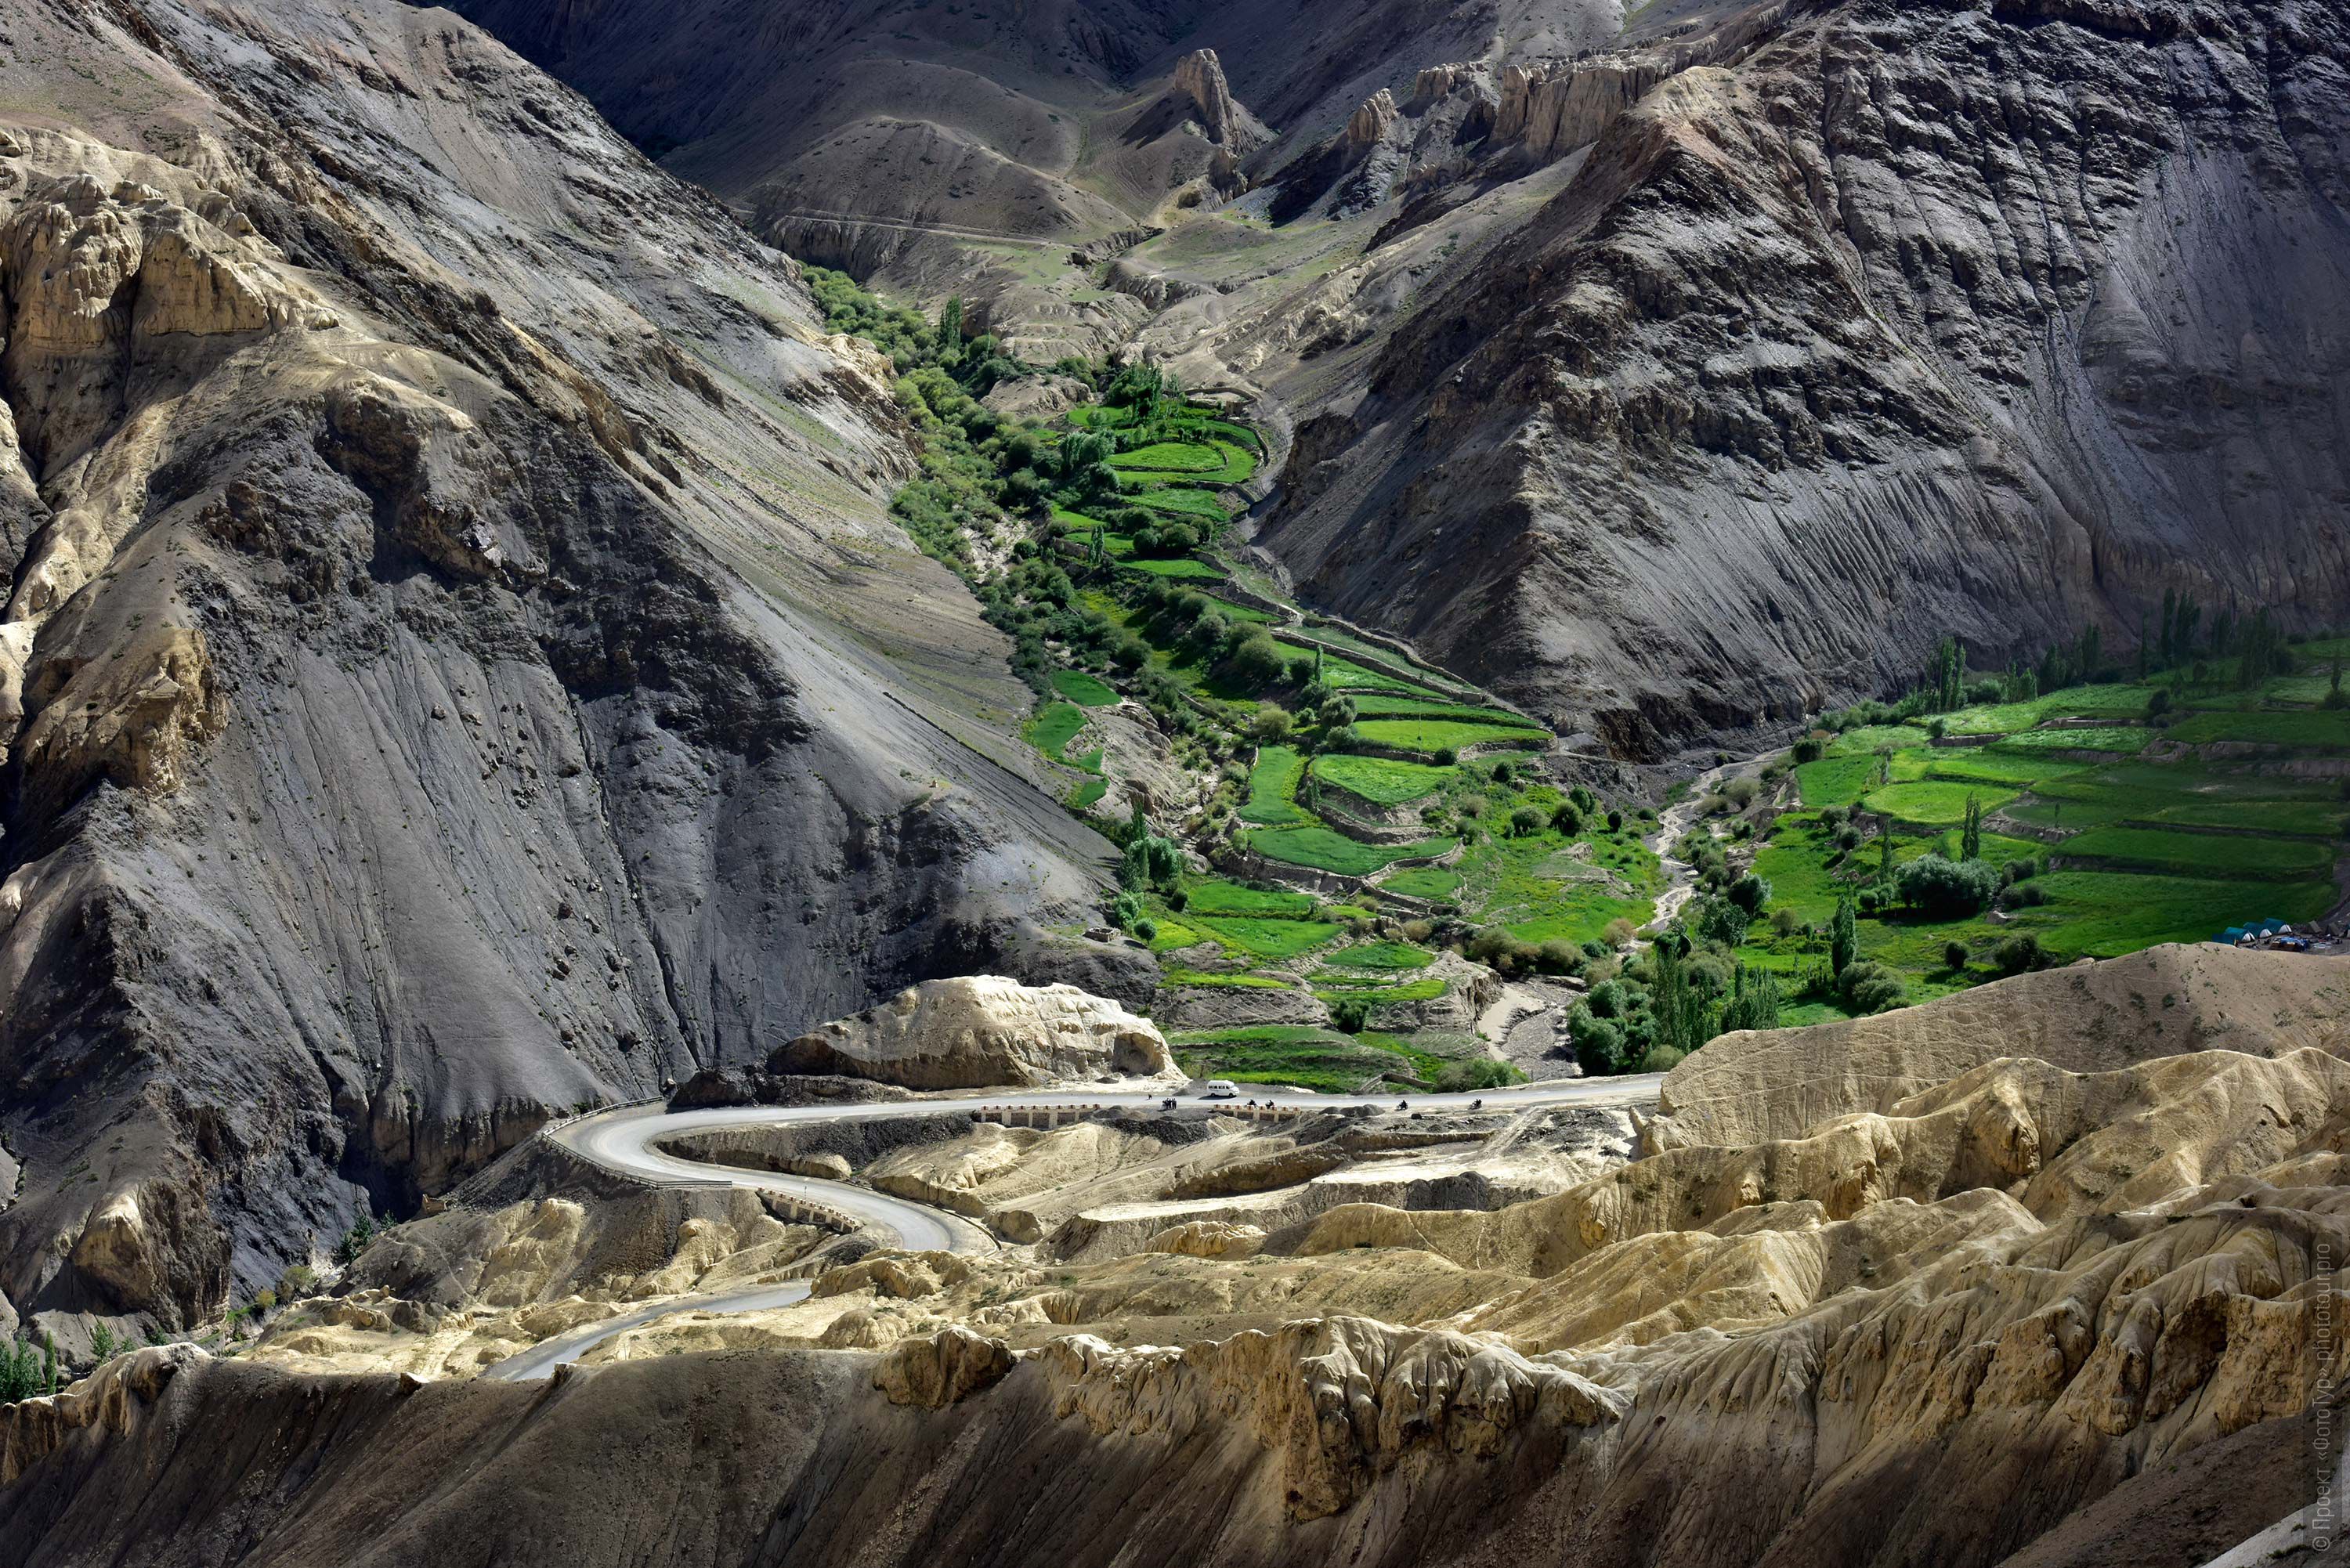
(458,666)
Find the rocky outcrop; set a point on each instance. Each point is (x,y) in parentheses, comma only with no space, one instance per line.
(978,1031)
(940,1369)
(1200,77)
(1338,1400)
(1373,120)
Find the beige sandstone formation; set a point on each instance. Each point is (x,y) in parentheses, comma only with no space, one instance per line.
(982,1031)
(1745,1087)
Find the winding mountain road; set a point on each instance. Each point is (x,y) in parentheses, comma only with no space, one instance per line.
(627,1140)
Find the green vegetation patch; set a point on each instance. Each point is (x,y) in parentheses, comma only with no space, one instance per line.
(1835,780)
(1054,727)
(1326,850)
(1318,1059)
(2096,738)
(2072,702)
(1232,898)
(1086,691)
(2300,729)
(1266,938)
(2224,854)
(1215,977)
(1173,456)
(1382,779)
(1429,736)
(1933,803)
(1435,882)
(1426,990)
(1183,569)
(1381,955)
(1272,787)
(1378,706)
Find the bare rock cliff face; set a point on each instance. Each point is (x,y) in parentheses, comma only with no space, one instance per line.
(1905,319)
(456,664)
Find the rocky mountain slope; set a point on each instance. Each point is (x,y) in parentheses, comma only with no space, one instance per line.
(458,665)
(1900,319)
(1674,371)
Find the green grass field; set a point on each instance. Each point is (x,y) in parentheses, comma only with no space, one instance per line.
(1435,882)
(2204,854)
(1325,850)
(1084,690)
(1190,504)
(1275,939)
(1181,568)
(1342,674)
(1318,1059)
(1426,990)
(1176,977)
(2301,730)
(1835,780)
(1272,787)
(2102,738)
(1232,898)
(1428,736)
(1051,729)
(1382,956)
(2072,702)
(1168,456)
(1933,803)
(1382,781)
(1378,705)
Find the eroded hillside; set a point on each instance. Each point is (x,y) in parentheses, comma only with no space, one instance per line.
(458,664)
(1901,1310)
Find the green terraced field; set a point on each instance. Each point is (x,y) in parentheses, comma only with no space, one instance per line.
(1173,457)
(1232,898)
(1406,991)
(1326,850)
(1272,787)
(1382,955)
(2102,738)
(1086,691)
(1191,463)
(1190,503)
(1318,1059)
(1266,938)
(1382,781)
(1435,882)
(2223,853)
(1933,803)
(1428,736)
(1994,768)
(1343,674)
(2302,730)
(1378,706)
(2073,701)
(1183,568)
(1212,977)
(1835,780)
(2102,914)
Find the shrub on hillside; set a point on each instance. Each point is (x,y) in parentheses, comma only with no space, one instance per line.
(1938,885)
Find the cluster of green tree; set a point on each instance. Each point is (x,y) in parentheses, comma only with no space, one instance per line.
(911,340)
(1683,991)
(2257,644)
(28,1371)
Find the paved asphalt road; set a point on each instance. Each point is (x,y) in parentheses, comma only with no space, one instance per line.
(627,1140)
